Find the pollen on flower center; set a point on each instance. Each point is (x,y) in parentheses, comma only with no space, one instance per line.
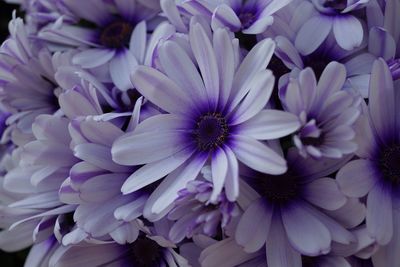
(389,164)
(211,131)
(116,34)
(145,252)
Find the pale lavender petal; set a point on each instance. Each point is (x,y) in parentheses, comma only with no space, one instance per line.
(180,68)
(154,171)
(219,170)
(232,177)
(138,41)
(260,25)
(356,178)
(324,193)
(224,16)
(381,97)
(135,149)
(206,60)
(167,191)
(258,156)
(160,90)
(305,232)
(348,31)
(381,43)
(93,57)
(257,97)
(313,33)
(253,227)
(224,53)
(278,249)
(257,59)
(270,124)
(380,215)
(121,67)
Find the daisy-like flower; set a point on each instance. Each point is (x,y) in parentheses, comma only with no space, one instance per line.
(376,174)
(249,17)
(327,113)
(150,249)
(332,15)
(217,114)
(287,213)
(194,214)
(27,81)
(116,41)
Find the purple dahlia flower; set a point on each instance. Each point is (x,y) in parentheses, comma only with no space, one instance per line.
(326,112)
(217,114)
(376,174)
(331,15)
(287,212)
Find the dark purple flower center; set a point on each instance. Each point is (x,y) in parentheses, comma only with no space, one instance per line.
(394,66)
(211,131)
(309,261)
(116,34)
(145,252)
(279,189)
(338,5)
(389,164)
(247,19)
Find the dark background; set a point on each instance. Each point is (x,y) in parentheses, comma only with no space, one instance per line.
(8,259)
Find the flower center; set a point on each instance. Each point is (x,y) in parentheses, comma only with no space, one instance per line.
(338,5)
(394,66)
(247,19)
(389,164)
(146,252)
(116,34)
(211,131)
(279,189)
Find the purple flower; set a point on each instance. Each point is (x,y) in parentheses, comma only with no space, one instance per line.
(195,214)
(327,113)
(331,15)
(376,173)
(150,249)
(117,42)
(217,114)
(286,212)
(250,17)
(28,83)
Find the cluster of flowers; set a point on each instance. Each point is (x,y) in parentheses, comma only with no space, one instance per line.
(212,133)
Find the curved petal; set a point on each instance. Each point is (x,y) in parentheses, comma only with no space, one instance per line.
(380,215)
(136,149)
(312,34)
(258,96)
(348,31)
(270,124)
(93,57)
(258,156)
(305,232)
(121,67)
(224,16)
(160,90)
(253,227)
(324,193)
(356,178)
